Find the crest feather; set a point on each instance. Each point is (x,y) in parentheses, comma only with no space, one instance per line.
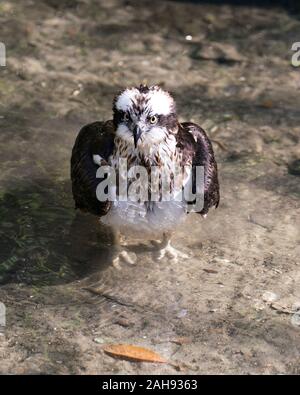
(153,99)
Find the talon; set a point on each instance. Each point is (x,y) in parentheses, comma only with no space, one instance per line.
(116,263)
(167,250)
(172,252)
(129,258)
(126,257)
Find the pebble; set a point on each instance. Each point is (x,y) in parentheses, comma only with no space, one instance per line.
(294,167)
(295,320)
(258,305)
(124,322)
(76,92)
(99,340)
(182,313)
(227,117)
(270,296)
(296,307)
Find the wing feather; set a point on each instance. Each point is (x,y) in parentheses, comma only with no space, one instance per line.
(96,138)
(197,150)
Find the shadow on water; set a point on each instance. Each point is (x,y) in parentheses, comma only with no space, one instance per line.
(43,241)
(292,5)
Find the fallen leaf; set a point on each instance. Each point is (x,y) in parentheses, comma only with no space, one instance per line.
(267,104)
(133,353)
(124,322)
(210,271)
(182,340)
(281,309)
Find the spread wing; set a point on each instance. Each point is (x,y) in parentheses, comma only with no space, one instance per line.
(93,139)
(197,150)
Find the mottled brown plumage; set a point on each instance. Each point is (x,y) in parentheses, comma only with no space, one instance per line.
(144,134)
(99,138)
(194,144)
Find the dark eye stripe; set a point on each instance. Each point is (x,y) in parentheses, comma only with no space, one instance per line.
(126,117)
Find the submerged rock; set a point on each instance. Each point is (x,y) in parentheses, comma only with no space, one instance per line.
(294,167)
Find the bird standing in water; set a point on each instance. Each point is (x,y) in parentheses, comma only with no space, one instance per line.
(144,132)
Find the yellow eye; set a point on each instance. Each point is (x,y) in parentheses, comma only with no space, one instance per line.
(126,117)
(153,119)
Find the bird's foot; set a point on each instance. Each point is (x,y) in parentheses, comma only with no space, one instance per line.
(172,253)
(124,256)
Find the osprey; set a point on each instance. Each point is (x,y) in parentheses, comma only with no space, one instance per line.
(144,132)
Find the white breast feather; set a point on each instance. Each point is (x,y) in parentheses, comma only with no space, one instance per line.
(133,217)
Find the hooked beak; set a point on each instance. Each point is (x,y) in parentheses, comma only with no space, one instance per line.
(136,135)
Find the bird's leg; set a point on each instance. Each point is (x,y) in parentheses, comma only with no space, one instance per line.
(165,249)
(120,253)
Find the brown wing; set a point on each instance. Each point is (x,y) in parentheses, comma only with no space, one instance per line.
(197,149)
(95,138)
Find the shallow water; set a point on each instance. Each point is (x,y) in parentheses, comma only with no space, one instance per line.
(62,73)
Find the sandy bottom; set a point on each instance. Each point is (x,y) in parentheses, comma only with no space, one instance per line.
(236,299)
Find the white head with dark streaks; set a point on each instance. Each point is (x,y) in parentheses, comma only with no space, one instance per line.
(144,116)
